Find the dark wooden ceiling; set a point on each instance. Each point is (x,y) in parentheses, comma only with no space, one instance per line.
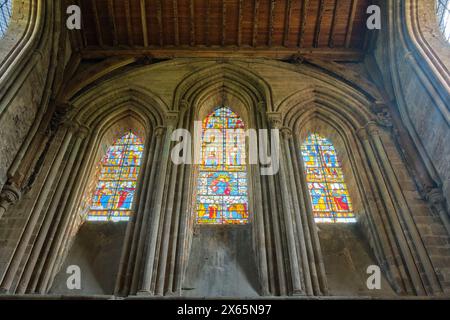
(333,29)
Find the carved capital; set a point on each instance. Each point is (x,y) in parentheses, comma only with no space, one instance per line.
(286,133)
(9,196)
(159,131)
(275,119)
(372,129)
(384,119)
(362,134)
(59,117)
(172,118)
(184,105)
(436,199)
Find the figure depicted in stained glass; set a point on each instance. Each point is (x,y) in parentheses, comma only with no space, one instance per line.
(328,192)
(113,197)
(222,180)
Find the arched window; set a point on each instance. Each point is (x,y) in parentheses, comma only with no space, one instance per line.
(443,15)
(222,195)
(5,15)
(327,189)
(119,171)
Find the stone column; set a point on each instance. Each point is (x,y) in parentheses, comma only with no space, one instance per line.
(43,195)
(373,130)
(289,214)
(8,197)
(145,287)
(48,220)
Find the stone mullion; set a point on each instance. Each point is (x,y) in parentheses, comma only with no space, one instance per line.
(182,213)
(276,210)
(376,224)
(43,232)
(295,271)
(314,248)
(165,231)
(28,232)
(403,206)
(260,223)
(145,286)
(64,228)
(269,227)
(127,258)
(393,219)
(134,271)
(301,237)
(68,195)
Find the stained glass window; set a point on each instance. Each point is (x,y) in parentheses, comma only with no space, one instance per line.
(327,189)
(222,194)
(114,192)
(443,15)
(5,15)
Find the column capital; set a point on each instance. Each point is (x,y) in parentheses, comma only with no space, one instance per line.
(372,128)
(10,195)
(172,118)
(159,131)
(275,119)
(286,133)
(184,105)
(362,134)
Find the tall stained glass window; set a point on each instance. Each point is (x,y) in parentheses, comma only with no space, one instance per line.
(327,189)
(443,15)
(114,192)
(222,195)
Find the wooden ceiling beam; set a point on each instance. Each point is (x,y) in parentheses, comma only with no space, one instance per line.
(224,22)
(239,28)
(112,22)
(192,21)
(319,23)
(304,13)
(144,23)
(280,53)
(160,22)
(129,26)
(333,25)
(175,22)
(208,13)
(255,23)
(98,29)
(287,23)
(273,4)
(351,21)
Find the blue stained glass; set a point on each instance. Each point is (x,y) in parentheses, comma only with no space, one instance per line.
(328,192)
(113,197)
(222,193)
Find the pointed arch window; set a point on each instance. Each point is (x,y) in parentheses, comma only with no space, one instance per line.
(222,193)
(326,185)
(119,170)
(5,16)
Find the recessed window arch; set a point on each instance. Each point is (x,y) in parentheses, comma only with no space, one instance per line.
(119,169)
(443,16)
(222,186)
(5,16)
(328,191)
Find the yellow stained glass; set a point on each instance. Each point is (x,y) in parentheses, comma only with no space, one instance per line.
(327,189)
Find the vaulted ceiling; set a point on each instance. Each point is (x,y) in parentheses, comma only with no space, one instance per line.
(329,29)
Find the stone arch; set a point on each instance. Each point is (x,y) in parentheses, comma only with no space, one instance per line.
(362,142)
